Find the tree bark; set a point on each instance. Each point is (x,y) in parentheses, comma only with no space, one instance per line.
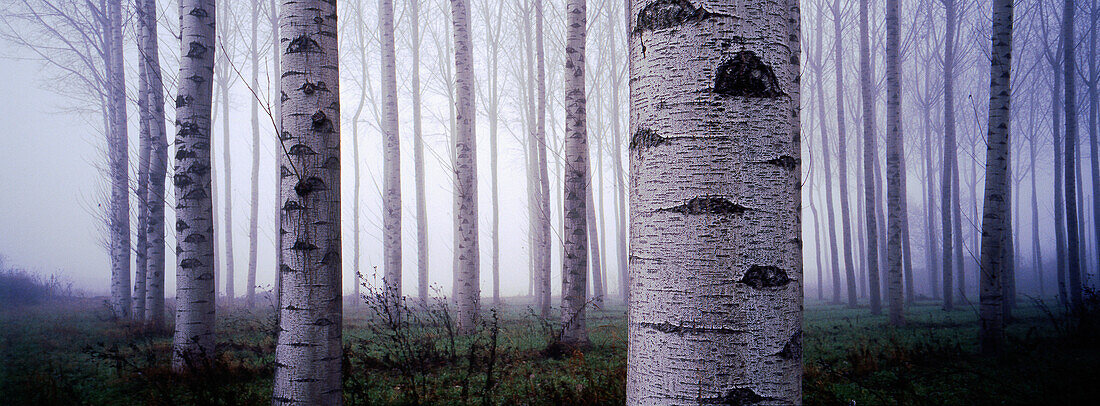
(544,230)
(715,245)
(950,168)
(118,161)
(418,160)
(158,164)
(254,214)
(842,154)
(144,156)
(391,157)
(466,256)
(575,262)
(193,340)
(895,150)
(869,152)
(308,350)
(1069,64)
(995,221)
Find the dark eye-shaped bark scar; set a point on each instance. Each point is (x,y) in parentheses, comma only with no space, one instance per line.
(309,185)
(765,277)
(301,150)
(783,161)
(309,88)
(196,50)
(739,397)
(708,205)
(321,124)
(745,75)
(793,349)
(645,138)
(292,205)
(190,263)
(663,14)
(199,12)
(303,43)
(682,329)
(184,100)
(302,245)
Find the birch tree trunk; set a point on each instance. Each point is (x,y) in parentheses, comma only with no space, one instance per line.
(574,272)
(492,38)
(308,350)
(118,161)
(934,274)
(842,154)
(594,245)
(950,168)
(1068,67)
(544,231)
(227,173)
(715,232)
(158,165)
(418,159)
(142,191)
(194,335)
(466,254)
(617,158)
(995,221)
(834,253)
(1036,244)
(277,110)
(391,157)
(1059,179)
(894,152)
(869,152)
(254,215)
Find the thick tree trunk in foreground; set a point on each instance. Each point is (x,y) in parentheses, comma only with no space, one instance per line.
(895,150)
(153,89)
(466,255)
(118,158)
(391,157)
(308,350)
(194,335)
(1070,78)
(869,152)
(716,259)
(995,221)
(574,286)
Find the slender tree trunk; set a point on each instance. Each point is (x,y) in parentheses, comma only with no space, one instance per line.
(715,201)
(617,158)
(1036,244)
(950,172)
(118,161)
(391,157)
(1094,116)
(833,251)
(194,336)
(308,352)
(534,184)
(1070,80)
(364,79)
(544,230)
(466,256)
(842,154)
(895,150)
(869,151)
(931,249)
(1059,180)
(254,214)
(158,164)
(492,38)
(594,245)
(995,220)
(228,191)
(418,160)
(575,262)
(906,253)
(144,154)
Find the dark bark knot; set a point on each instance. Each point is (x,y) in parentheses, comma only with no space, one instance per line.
(784,161)
(321,124)
(301,150)
(681,329)
(181,225)
(303,246)
(764,277)
(739,397)
(199,12)
(196,50)
(184,100)
(309,185)
(292,205)
(793,349)
(708,205)
(303,43)
(663,14)
(745,75)
(181,180)
(190,263)
(645,138)
(310,88)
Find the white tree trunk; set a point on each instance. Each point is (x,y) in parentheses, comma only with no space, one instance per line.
(418,160)
(894,153)
(194,335)
(118,161)
(715,243)
(254,214)
(950,165)
(870,149)
(227,175)
(391,156)
(466,255)
(842,154)
(544,238)
(995,220)
(141,262)
(158,165)
(308,351)
(575,262)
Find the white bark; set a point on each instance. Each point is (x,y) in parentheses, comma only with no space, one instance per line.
(842,153)
(194,334)
(466,255)
(118,161)
(391,157)
(870,149)
(894,153)
(418,159)
(575,262)
(158,164)
(254,214)
(308,351)
(716,271)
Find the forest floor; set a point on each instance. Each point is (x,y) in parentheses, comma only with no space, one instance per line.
(73,353)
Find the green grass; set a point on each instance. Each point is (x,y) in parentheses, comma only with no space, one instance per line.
(72,354)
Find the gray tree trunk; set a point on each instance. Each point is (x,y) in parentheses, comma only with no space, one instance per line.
(308,350)
(418,159)
(842,153)
(594,245)
(575,262)
(391,156)
(617,159)
(950,168)
(895,150)
(544,230)
(118,159)
(254,214)
(1069,64)
(153,90)
(466,254)
(144,155)
(826,153)
(715,247)
(1036,244)
(869,152)
(1094,116)
(995,220)
(492,39)
(194,335)
(227,173)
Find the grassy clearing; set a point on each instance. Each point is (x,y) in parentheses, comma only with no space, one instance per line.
(72,353)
